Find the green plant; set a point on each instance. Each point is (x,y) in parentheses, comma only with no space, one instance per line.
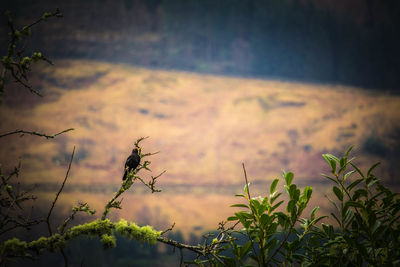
(367,216)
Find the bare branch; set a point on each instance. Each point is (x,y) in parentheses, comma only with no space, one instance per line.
(59,192)
(151,183)
(56,13)
(169,229)
(22,132)
(18,80)
(140,140)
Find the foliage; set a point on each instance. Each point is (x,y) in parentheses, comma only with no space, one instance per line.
(367,216)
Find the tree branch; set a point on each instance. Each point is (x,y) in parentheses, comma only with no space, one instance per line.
(59,192)
(22,132)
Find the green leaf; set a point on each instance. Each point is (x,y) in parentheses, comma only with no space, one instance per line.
(372,183)
(240,195)
(353,184)
(246,189)
(353,204)
(325,227)
(289,178)
(307,192)
(357,169)
(245,249)
(264,220)
(372,168)
(347,175)
(312,215)
(348,151)
(292,191)
(330,178)
(240,206)
(347,215)
(338,193)
(256,206)
(342,163)
(358,193)
(272,199)
(275,206)
(242,218)
(331,161)
(336,218)
(271,230)
(232,218)
(273,186)
(333,202)
(318,219)
(290,206)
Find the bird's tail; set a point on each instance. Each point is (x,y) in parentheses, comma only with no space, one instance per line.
(125,174)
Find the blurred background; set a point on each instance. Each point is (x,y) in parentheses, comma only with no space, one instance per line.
(214,83)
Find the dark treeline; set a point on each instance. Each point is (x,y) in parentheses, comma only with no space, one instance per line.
(285,39)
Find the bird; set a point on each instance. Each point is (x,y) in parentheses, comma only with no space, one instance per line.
(131,162)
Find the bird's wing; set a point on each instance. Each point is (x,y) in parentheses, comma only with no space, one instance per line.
(128,161)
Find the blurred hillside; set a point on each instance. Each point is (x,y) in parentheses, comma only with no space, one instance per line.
(205,125)
(348,42)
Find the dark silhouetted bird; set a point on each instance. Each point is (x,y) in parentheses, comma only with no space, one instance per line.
(131,162)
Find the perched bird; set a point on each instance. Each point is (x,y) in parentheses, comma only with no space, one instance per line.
(131,162)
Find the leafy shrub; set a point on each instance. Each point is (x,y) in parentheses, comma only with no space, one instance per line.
(366,231)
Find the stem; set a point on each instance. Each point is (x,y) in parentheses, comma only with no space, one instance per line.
(283,241)
(247,183)
(59,192)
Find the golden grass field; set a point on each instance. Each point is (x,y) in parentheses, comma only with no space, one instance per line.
(204,127)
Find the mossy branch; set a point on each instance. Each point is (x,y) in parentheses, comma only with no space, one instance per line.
(104,229)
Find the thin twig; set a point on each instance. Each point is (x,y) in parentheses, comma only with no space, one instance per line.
(18,80)
(56,13)
(22,132)
(64,256)
(247,183)
(59,192)
(169,229)
(181,257)
(270,258)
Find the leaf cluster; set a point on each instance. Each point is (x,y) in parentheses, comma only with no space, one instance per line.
(366,231)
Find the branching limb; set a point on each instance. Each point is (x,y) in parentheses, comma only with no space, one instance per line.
(15,62)
(11,199)
(169,229)
(22,132)
(131,178)
(83,207)
(59,192)
(151,183)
